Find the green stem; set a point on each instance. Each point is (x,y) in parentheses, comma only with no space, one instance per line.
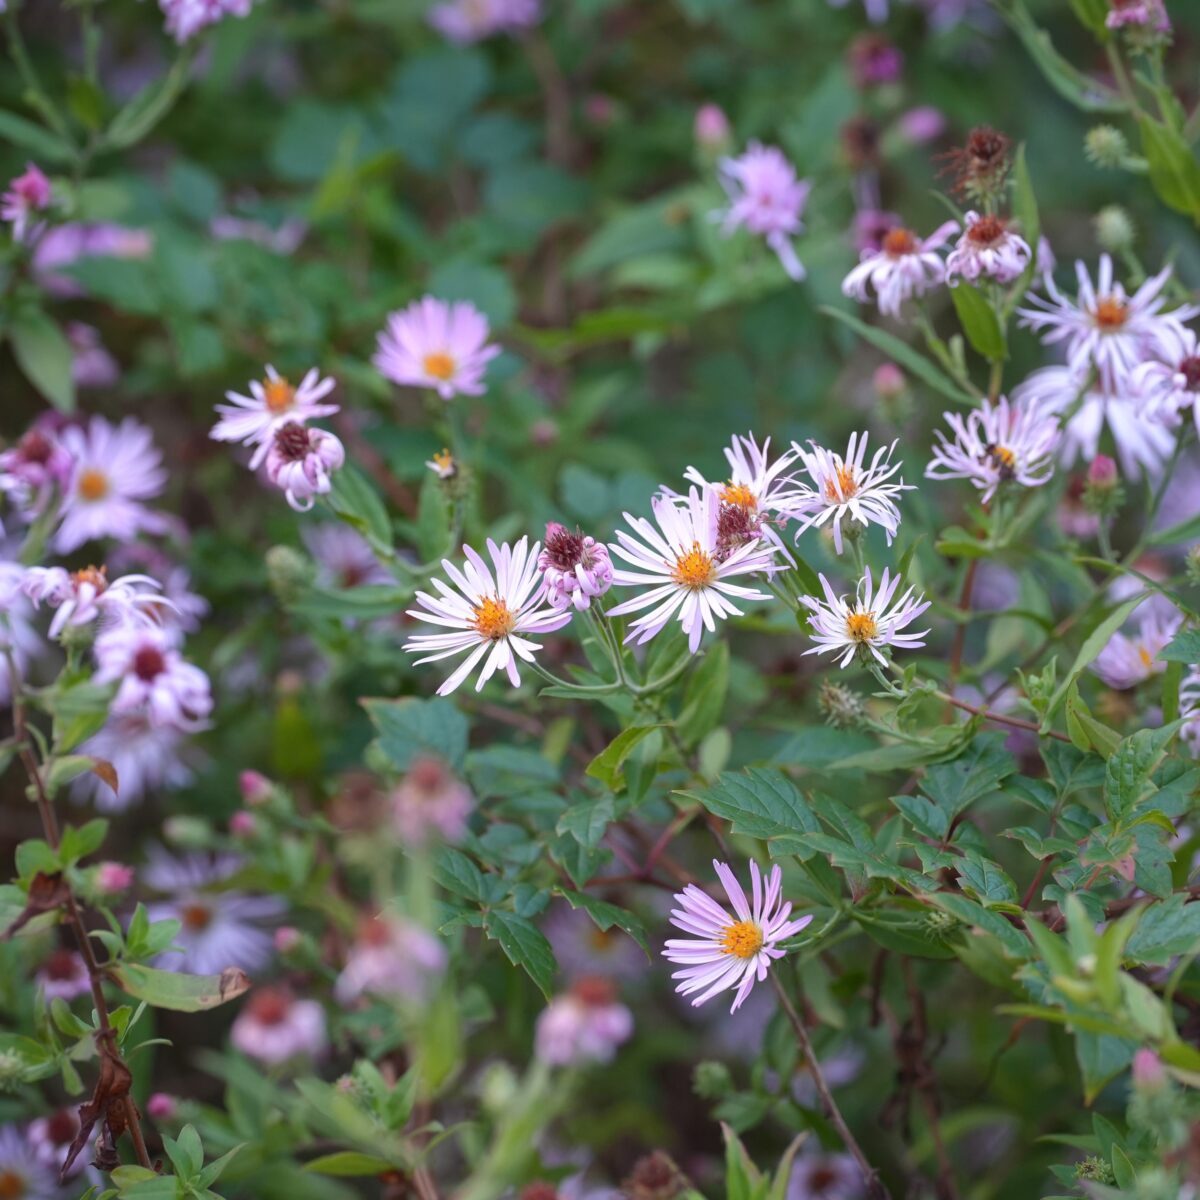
(38,96)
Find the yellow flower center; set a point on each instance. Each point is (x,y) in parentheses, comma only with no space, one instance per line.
(841,485)
(493,619)
(96,576)
(861,626)
(899,242)
(444,461)
(1003,455)
(439,364)
(278,394)
(1146,657)
(742,940)
(12,1185)
(1110,314)
(738,494)
(695,569)
(93,484)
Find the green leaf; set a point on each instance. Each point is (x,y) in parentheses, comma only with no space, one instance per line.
(354,499)
(1086,732)
(149,106)
(1184,648)
(485,287)
(47,146)
(525,946)
(45,357)
(607,915)
(412,728)
(1127,775)
(1174,171)
(761,803)
(975,773)
(588,821)
(606,766)
(905,356)
(704,695)
(433,519)
(1166,930)
(979,321)
(186,1153)
(347,1163)
(178,990)
(1092,13)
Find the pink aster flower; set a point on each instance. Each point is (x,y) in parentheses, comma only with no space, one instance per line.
(841,488)
(987,249)
(63,976)
(995,444)
(583,948)
(27,194)
(147,758)
(433,344)
(392,958)
(219,927)
(1171,385)
(868,623)
(1141,14)
(184,609)
(185,18)
(680,557)
(904,266)
(1105,328)
(767,198)
(113,878)
(575,567)
(153,679)
(465,21)
(874,61)
(1131,658)
(34,467)
(584,1025)
(300,462)
(51,1137)
(922,124)
(486,614)
(274,1027)
(431,803)
(86,597)
(272,404)
(343,557)
(115,468)
(727,951)
(711,127)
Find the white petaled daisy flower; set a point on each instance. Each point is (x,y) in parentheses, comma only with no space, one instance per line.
(85,597)
(437,345)
(487,615)
(988,249)
(1104,327)
(1141,430)
(1131,658)
(873,620)
(153,678)
(730,951)
(762,490)
(842,487)
(904,266)
(679,555)
(115,468)
(1172,385)
(997,443)
(273,402)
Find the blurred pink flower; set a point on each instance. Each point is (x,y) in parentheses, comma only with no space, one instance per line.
(437,345)
(255,787)
(33,467)
(767,198)
(66,244)
(467,21)
(51,1137)
(27,194)
(274,1027)
(160,1106)
(922,124)
(86,597)
(711,127)
(820,1176)
(584,1025)
(92,366)
(431,803)
(583,948)
(988,248)
(300,462)
(152,678)
(114,877)
(343,557)
(870,227)
(1145,14)
(904,266)
(874,60)
(63,976)
(185,18)
(391,958)
(145,757)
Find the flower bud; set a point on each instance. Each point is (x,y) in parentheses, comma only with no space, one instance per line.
(242,824)
(160,1106)
(1102,472)
(288,572)
(1149,1075)
(711,127)
(188,832)
(888,381)
(287,938)
(842,707)
(255,788)
(1103,494)
(711,1080)
(1114,229)
(1105,146)
(113,877)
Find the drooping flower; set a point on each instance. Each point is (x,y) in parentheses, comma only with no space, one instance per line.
(344,558)
(1106,329)
(576,568)
(842,488)
(433,344)
(1131,658)
(904,266)
(761,490)
(727,951)
(392,958)
(27,194)
(466,21)
(430,802)
(681,561)
(145,757)
(300,462)
(23,1171)
(272,404)
(488,615)
(996,443)
(63,976)
(584,1025)
(185,18)
(822,1176)
(31,469)
(1143,437)
(86,597)
(219,928)
(1171,385)
(988,249)
(153,679)
(274,1027)
(872,622)
(767,198)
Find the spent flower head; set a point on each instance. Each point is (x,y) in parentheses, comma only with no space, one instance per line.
(575,567)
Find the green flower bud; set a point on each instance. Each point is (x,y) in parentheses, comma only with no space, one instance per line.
(288,572)
(711,1080)
(1114,228)
(1105,146)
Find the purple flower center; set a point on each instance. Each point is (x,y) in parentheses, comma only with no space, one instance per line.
(1190,370)
(292,442)
(565,549)
(148,663)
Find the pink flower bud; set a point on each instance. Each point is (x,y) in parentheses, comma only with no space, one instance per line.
(255,787)
(113,877)
(242,824)
(888,381)
(1102,473)
(160,1106)
(287,938)
(923,124)
(711,126)
(1148,1072)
